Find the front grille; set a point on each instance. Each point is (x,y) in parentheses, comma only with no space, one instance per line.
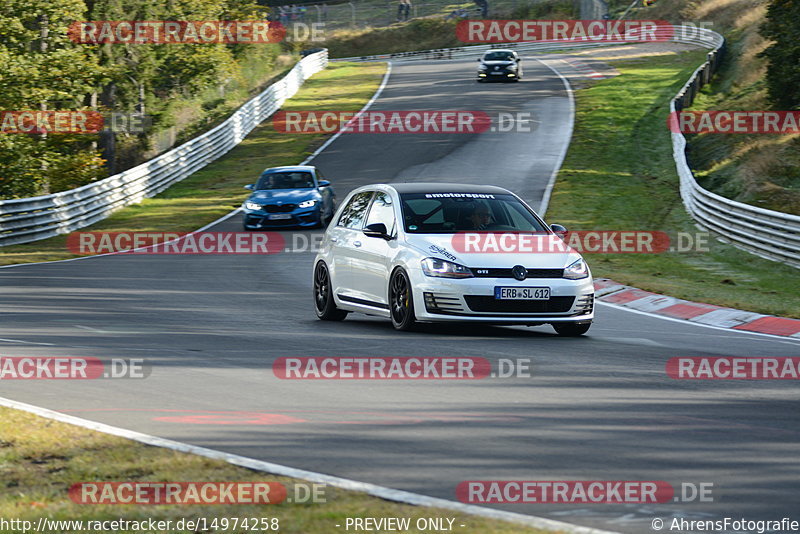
(283,208)
(481,272)
(482,303)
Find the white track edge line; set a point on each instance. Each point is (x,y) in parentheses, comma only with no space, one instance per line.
(371,101)
(374,490)
(548,190)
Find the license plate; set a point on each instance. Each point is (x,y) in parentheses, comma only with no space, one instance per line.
(522,293)
(280,216)
(498,73)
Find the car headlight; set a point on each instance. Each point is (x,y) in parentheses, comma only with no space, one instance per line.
(444,269)
(482,67)
(512,67)
(576,270)
(252,206)
(307,204)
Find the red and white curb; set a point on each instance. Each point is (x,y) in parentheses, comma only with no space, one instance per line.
(612,292)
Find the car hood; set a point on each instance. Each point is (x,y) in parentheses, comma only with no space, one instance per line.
(273,196)
(449,247)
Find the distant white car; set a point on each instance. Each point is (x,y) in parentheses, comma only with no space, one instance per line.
(397,251)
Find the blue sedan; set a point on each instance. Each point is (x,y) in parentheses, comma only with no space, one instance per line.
(289,196)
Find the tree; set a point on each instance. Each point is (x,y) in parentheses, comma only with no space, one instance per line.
(783,71)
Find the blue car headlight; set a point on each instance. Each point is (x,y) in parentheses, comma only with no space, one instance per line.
(252,205)
(307,204)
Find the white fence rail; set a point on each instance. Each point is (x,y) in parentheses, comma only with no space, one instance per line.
(769,234)
(31,219)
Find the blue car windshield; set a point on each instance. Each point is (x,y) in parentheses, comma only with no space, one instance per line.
(285,180)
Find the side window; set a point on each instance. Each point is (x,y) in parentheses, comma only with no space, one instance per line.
(353,214)
(382,211)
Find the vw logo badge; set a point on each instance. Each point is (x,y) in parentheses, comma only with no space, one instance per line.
(519,272)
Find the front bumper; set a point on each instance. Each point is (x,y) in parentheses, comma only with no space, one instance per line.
(502,75)
(472,299)
(303,217)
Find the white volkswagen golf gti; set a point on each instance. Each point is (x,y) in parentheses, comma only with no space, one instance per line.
(430,252)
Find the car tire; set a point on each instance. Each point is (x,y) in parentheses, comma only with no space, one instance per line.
(326,221)
(571,329)
(401,301)
(324,305)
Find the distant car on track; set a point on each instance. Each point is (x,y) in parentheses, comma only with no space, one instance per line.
(393,251)
(499,64)
(295,195)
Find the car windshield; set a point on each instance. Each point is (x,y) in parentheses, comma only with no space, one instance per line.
(448,213)
(285,180)
(498,56)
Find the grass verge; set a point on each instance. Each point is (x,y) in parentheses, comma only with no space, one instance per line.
(619,175)
(41,459)
(213,191)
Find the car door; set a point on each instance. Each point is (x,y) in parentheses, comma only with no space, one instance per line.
(371,260)
(346,238)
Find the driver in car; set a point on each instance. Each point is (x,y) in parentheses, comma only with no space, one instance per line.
(480,217)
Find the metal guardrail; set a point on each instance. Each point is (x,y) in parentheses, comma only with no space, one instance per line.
(31,219)
(769,234)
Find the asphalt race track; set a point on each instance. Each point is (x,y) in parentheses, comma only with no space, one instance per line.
(599,407)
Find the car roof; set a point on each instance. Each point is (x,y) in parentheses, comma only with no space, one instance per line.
(430,187)
(500,50)
(290,168)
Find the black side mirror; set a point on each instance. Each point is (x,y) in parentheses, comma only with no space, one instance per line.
(557,228)
(377,230)
(249,186)
(324,183)
(479,60)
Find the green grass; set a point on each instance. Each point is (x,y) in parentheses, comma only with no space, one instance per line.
(619,175)
(41,459)
(213,191)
